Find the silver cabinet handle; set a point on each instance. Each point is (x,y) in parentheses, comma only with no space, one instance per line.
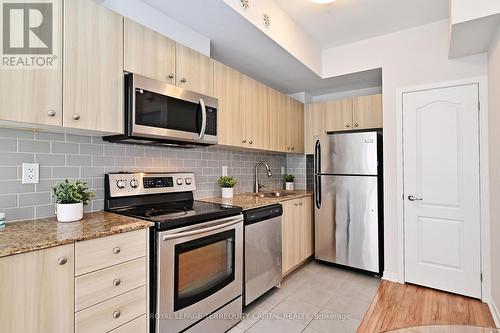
(51,113)
(116,250)
(117,282)
(347,125)
(300,203)
(76,116)
(244,140)
(293,148)
(250,142)
(116,314)
(183,80)
(62,260)
(171,75)
(287,148)
(414,198)
(296,204)
(356,125)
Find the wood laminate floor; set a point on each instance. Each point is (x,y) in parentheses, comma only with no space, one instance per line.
(397,306)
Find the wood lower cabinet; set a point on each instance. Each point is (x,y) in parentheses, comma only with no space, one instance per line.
(314,124)
(367,112)
(148,53)
(35,95)
(93,67)
(194,71)
(297,233)
(338,115)
(38,291)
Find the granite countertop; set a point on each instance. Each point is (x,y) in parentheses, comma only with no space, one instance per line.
(31,235)
(250,200)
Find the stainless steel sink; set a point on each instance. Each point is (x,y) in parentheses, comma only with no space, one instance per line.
(274,194)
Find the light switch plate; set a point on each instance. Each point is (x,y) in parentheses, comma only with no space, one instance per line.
(31,173)
(224,170)
(282,170)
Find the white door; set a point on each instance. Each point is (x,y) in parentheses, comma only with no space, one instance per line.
(441,189)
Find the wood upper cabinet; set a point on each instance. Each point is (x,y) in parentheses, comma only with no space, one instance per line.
(297,233)
(255,107)
(93,67)
(314,124)
(38,291)
(195,71)
(231,120)
(148,53)
(35,95)
(295,126)
(367,111)
(338,115)
(278,123)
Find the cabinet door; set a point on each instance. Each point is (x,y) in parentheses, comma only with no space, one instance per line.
(307,234)
(38,291)
(338,115)
(291,235)
(93,67)
(315,124)
(296,126)
(35,95)
(367,111)
(230,115)
(256,110)
(148,52)
(278,103)
(195,71)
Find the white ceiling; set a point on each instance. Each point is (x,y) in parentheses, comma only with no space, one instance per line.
(347,21)
(239,44)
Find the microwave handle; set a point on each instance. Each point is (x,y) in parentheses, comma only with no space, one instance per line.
(203,119)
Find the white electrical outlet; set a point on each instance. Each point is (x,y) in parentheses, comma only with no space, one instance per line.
(31,173)
(224,170)
(282,170)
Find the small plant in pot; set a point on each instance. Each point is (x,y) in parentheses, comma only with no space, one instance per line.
(227,183)
(289,182)
(70,198)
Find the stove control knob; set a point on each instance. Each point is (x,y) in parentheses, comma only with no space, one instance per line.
(188,181)
(120,183)
(179,181)
(134,183)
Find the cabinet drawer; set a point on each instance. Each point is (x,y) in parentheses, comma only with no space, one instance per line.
(138,325)
(99,286)
(108,251)
(112,313)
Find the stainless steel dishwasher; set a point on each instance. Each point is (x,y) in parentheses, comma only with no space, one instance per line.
(262,254)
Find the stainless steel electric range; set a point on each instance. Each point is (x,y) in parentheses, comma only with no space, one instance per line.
(196,250)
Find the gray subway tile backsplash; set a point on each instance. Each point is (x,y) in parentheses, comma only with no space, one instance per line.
(87,158)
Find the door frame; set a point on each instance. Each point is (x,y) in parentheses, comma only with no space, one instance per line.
(482,83)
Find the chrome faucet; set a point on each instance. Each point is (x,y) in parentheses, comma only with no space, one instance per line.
(269,174)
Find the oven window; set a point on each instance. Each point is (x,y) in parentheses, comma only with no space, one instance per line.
(202,267)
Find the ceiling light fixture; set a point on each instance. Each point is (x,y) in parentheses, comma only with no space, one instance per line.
(324,2)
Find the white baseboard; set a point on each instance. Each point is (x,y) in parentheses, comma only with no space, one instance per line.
(494,312)
(389,276)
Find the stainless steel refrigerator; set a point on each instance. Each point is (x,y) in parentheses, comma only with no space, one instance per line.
(348,199)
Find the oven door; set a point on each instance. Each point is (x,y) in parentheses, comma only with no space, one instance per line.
(163,111)
(199,271)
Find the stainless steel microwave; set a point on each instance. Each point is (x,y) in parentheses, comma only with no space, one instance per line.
(158,113)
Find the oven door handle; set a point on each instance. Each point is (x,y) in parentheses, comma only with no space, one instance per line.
(203,119)
(223,223)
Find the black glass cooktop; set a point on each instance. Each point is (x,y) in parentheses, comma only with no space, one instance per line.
(176,214)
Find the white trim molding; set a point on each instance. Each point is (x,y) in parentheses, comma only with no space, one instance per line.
(484,180)
(391,276)
(494,312)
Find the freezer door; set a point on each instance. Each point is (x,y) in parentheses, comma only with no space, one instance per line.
(346,221)
(347,154)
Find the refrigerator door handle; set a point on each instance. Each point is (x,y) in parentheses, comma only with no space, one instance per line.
(318,192)
(317,157)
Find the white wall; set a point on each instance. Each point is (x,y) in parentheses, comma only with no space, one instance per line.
(407,58)
(494,164)
(148,16)
(466,10)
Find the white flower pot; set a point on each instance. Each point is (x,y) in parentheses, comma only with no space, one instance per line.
(289,186)
(227,192)
(69,212)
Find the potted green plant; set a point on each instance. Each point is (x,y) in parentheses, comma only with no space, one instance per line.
(289,181)
(70,198)
(227,183)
